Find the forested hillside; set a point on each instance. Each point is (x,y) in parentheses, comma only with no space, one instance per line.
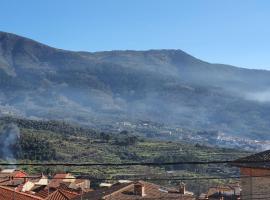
(52,141)
(49,141)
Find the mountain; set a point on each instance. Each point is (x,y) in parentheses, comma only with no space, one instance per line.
(164,86)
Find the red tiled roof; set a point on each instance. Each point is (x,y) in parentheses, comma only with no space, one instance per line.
(99,193)
(126,192)
(60,176)
(61,195)
(57,179)
(12,178)
(45,192)
(66,188)
(2,180)
(10,194)
(12,182)
(68,192)
(15,174)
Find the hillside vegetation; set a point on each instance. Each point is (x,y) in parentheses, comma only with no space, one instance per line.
(52,141)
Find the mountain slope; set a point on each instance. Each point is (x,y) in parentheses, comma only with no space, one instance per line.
(168,86)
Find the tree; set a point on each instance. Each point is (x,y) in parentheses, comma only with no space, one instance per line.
(105,136)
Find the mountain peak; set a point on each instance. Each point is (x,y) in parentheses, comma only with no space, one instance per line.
(7,38)
(20,52)
(10,38)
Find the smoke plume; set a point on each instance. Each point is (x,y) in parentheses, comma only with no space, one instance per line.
(9,136)
(263,97)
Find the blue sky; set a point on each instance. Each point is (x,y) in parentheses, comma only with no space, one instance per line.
(234,32)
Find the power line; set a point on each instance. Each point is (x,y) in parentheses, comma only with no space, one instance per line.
(177,178)
(139,163)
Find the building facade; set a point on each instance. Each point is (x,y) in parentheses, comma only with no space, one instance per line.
(255,176)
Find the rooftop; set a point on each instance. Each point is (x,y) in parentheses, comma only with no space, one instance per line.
(61,190)
(61,195)
(58,179)
(262,160)
(125,191)
(8,194)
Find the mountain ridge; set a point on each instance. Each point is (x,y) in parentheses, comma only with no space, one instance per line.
(168,86)
(123,51)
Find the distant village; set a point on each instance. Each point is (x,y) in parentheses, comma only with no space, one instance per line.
(208,138)
(253,184)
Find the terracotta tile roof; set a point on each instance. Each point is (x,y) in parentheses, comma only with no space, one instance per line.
(44,193)
(99,193)
(60,176)
(66,187)
(11,177)
(9,194)
(264,157)
(57,180)
(68,192)
(12,183)
(2,180)
(126,192)
(61,195)
(12,173)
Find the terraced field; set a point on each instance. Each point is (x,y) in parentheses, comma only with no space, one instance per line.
(69,143)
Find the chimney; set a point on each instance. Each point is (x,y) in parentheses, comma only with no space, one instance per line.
(139,189)
(182,188)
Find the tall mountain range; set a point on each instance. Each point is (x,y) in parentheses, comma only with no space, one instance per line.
(166,86)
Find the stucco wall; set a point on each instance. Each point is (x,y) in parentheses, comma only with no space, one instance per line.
(256,184)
